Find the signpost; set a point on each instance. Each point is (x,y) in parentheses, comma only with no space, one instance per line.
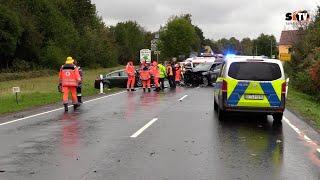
(16,90)
(154,45)
(145,54)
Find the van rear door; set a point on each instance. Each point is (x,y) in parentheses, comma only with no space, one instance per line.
(256,84)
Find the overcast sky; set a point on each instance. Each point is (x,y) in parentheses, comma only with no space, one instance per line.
(217,18)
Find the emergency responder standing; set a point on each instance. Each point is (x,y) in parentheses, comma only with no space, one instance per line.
(163,74)
(170,74)
(178,74)
(69,79)
(145,76)
(173,63)
(131,76)
(156,74)
(79,88)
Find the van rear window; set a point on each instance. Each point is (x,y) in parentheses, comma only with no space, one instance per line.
(255,71)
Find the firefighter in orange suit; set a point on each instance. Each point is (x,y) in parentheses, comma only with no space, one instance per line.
(145,77)
(69,79)
(131,76)
(155,72)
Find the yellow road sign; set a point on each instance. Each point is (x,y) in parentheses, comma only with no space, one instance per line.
(285,57)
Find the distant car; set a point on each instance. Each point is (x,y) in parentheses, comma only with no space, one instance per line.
(251,84)
(117,78)
(203,74)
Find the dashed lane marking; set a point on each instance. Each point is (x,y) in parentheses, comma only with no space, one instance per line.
(58,109)
(136,134)
(183,97)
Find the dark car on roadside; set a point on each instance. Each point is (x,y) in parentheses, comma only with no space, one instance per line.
(117,78)
(204,74)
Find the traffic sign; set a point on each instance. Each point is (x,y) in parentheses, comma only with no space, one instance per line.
(285,57)
(16,89)
(154,45)
(157,52)
(145,54)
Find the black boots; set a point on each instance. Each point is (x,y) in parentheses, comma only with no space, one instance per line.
(157,89)
(76,106)
(144,89)
(65,107)
(133,90)
(80,99)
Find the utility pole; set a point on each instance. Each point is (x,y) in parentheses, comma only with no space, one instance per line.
(256,50)
(271,49)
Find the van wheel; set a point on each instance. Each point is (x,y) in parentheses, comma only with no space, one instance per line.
(215,105)
(277,117)
(221,114)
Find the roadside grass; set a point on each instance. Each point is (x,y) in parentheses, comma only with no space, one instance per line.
(305,105)
(43,90)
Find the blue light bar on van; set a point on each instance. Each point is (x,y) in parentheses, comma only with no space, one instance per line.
(230,55)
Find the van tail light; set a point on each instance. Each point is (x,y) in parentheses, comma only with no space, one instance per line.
(224,86)
(284,88)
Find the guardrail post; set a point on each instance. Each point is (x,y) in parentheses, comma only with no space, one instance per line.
(101,84)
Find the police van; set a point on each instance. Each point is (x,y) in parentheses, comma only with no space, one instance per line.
(251,84)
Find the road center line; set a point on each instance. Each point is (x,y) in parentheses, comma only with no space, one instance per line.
(58,109)
(136,134)
(183,97)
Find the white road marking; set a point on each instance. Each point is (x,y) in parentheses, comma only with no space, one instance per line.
(305,137)
(58,109)
(136,134)
(183,97)
(292,126)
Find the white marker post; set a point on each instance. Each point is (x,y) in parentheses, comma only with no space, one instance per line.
(101,84)
(16,90)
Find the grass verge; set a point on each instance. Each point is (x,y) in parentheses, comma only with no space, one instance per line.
(43,91)
(305,105)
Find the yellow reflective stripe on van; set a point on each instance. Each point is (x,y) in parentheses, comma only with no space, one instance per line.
(277,85)
(254,103)
(237,89)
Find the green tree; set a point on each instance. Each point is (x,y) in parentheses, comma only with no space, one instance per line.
(10,31)
(246,46)
(130,38)
(265,45)
(178,37)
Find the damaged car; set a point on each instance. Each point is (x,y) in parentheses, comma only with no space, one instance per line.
(204,74)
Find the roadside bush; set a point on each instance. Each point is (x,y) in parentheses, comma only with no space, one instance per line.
(19,65)
(315,74)
(26,75)
(304,83)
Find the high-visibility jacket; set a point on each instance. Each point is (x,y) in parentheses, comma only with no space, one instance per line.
(155,71)
(145,74)
(178,74)
(162,71)
(130,70)
(69,75)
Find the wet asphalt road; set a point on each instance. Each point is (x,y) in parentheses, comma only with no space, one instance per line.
(185,142)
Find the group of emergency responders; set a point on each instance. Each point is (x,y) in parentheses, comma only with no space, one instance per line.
(70,80)
(155,70)
(71,76)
